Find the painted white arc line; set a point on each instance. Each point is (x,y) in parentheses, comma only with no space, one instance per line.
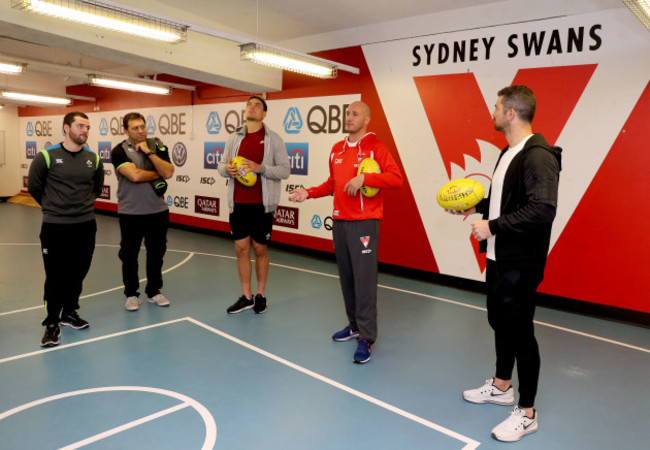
(419,294)
(126,426)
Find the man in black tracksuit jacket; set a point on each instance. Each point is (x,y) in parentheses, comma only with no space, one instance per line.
(65,179)
(516,232)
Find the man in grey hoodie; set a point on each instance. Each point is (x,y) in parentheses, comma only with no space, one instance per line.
(65,179)
(252,207)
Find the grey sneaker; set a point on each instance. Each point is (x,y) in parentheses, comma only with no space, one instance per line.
(515,427)
(132,303)
(159,300)
(489,393)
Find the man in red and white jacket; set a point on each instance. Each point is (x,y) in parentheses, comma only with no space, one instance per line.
(356,223)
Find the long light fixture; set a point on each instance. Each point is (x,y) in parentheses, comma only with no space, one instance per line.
(114,83)
(286,60)
(35,98)
(641,9)
(106,16)
(11,67)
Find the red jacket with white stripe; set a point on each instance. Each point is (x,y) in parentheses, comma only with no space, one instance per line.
(344,163)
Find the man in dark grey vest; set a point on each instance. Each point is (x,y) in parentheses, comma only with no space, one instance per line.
(65,179)
(142,165)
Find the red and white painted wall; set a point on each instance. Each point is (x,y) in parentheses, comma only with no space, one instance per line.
(431,99)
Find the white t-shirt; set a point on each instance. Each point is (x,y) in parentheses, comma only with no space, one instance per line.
(497,189)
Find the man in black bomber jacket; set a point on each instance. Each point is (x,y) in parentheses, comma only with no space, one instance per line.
(515,232)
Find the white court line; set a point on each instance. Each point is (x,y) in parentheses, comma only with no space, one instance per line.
(405,291)
(470,443)
(94,294)
(127,426)
(88,341)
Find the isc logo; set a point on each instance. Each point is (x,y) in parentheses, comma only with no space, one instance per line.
(104,151)
(212,153)
(298,157)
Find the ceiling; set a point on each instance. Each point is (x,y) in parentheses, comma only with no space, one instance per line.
(301,25)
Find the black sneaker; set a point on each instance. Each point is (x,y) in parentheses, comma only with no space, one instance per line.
(51,336)
(73,320)
(242,304)
(260,304)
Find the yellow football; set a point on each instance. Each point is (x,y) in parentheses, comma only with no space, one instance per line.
(247,178)
(369,165)
(460,194)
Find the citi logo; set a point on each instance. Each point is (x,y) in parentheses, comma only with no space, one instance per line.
(30,129)
(213,124)
(30,149)
(292,121)
(212,153)
(103,127)
(151,125)
(104,151)
(298,157)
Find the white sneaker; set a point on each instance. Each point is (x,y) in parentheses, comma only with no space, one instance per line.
(489,393)
(515,427)
(159,300)
(132,303)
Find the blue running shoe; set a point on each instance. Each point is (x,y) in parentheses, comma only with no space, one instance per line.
(362,355)
(345,334)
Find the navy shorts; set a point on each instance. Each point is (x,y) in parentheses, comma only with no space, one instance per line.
(251,220)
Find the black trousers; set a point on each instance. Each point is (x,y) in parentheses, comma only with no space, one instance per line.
(67,253)
(511,308)
(153,229)
(355,246)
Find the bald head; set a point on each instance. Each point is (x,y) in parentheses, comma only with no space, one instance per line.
(357,118)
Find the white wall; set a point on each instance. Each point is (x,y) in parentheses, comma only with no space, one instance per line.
(10,179)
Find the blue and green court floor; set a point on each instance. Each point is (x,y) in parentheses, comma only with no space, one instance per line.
(190,376)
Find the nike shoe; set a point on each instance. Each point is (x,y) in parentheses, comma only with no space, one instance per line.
(489,393)
(242,304)
(515,427)
(345,334)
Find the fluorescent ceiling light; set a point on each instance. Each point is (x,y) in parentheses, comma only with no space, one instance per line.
(641,9)
(109,17)
(35,98)
(11,68)
(286,60)
(114,83)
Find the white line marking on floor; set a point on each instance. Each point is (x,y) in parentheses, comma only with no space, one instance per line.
(470,443)
(313,272)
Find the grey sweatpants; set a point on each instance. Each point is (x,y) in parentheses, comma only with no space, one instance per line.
(355,247)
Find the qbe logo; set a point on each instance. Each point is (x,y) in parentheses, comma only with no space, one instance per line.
(298,157)
(177,201)
(206,205)
(292,121)
(179,154)
(30,149)
(316,222)
(212,153)
(213,124)
(286,217)
(151,125)
(106,192)
(30,129)
(103,126)
(104,150)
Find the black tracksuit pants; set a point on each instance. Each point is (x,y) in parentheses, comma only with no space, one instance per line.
(67,253)
(511,307)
